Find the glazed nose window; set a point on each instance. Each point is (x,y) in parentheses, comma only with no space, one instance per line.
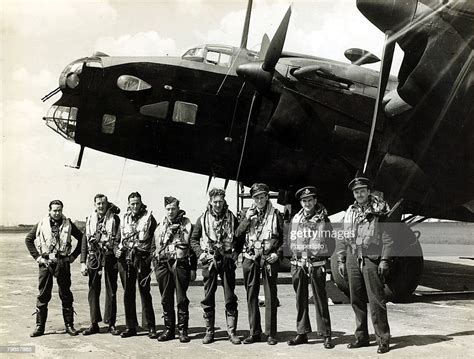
(62,119)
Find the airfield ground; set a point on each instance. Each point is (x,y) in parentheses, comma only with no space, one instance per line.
(431,325)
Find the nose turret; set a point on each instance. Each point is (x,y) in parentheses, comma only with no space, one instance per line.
(70,76)
(62,119)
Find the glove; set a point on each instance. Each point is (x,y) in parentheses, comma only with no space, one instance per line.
(71,259)
(250,212)
(192,276)
(384,269)
(84,270)
(272,258)
(341,268)
(42,261)
(118,253)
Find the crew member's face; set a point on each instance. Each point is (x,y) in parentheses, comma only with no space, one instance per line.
(171,210)
(308,203)
(217,204)
(56,212)
(261,200)
(361,195)
(135,204)
(101,205)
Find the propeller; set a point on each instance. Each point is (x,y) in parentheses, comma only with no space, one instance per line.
(389,16)
(260,74)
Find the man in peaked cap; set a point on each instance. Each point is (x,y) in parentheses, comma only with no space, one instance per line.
(262,226)
(364,256)
(311,245)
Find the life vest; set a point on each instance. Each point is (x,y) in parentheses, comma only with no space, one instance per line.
(135,233)
(362,222)
(308,235)
(259,235)
(46,243)
(172,239)
(217,233)
(106,233)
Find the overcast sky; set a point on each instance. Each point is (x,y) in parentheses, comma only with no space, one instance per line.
(39,38)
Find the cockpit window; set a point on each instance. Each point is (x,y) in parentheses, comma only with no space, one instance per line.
(214,55)
(193,54)
(218,58)
(225,60)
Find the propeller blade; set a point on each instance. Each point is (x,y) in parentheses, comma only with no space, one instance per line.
(264,46)
(276,45)
(385,65)
(209,180)
(245,31)
(226,183)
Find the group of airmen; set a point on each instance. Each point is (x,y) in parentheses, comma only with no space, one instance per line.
(128,246)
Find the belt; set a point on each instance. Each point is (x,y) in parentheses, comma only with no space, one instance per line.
(57,256)
(252,256)
(301,263)
(217,253)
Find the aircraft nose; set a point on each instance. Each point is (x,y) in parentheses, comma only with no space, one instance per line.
(388,14)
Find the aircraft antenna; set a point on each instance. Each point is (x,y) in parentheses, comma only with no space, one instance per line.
(245,136)
(120,182)
(245,32)
(229,137)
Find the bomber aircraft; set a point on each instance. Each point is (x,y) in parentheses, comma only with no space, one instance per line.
(291,119)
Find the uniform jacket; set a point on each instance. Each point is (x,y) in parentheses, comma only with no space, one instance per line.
(365,234)
(312,234)
(172,239)
(204,230)
(32,235)
(109,234)
(267,229)
(137,231)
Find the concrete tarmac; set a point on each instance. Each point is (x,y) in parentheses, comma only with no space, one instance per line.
(430,326)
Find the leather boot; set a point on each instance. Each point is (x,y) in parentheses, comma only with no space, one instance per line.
(113,329)
(129,332)
(168,333)
(299,339)
(93,329)
(231,319)
(383,348)
(41,315)
(328,344)
(209,320)
(359,343)
(152,332)
(68,315)
(183,320)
